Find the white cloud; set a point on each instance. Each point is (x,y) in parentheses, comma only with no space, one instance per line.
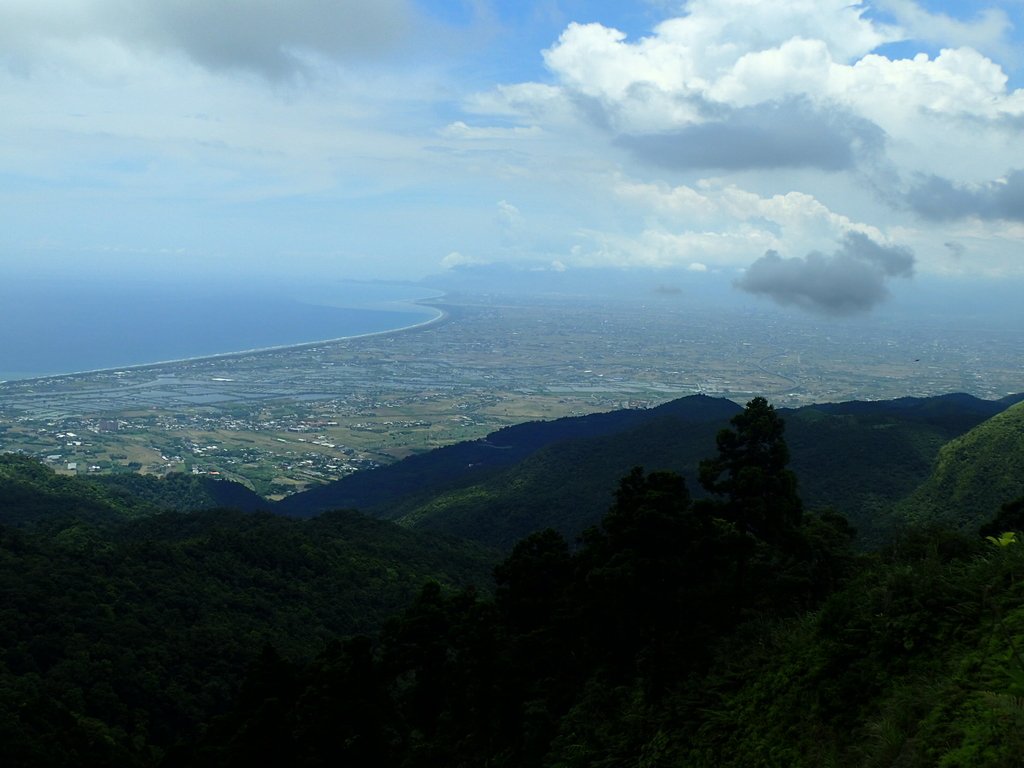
(689,53)
(531,101)
(678,202)
(660,80)
(130,115)
(456,259)
(729,54)
(797,67)
(716,214)
(988,31)
(957,82)
(509,216)
(660,249)
(791,99)
(460,130)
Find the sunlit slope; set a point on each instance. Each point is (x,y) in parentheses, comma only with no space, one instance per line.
(974,474)
(32,494)
(864,457)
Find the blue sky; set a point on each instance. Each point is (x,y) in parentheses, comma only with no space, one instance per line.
(818,152)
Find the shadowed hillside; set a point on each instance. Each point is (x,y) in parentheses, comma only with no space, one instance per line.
(123,628)
(425,475)
(859,458)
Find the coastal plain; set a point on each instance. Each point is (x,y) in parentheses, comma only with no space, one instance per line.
(282,420)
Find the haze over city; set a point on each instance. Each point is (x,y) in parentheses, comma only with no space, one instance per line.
(821,154)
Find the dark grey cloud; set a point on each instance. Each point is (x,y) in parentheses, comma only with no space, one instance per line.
(266,35)
(939,199)
(850,280)
(269,37)
(789,134)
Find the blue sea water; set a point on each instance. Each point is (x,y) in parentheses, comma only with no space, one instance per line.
(52,327)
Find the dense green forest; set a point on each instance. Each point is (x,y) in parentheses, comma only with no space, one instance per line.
(858,458)
(974,472)
(723,618)
(124,627)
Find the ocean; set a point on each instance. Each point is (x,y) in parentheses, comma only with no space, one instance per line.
(53,327)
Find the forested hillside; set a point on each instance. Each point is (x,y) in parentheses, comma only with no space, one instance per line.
(973,473)
(388,490)
(858,458)
(734,631)
(121,636)
(722,620)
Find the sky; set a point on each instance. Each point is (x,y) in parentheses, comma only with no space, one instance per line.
(819,153)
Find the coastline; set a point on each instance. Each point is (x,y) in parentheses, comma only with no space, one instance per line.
(441,316)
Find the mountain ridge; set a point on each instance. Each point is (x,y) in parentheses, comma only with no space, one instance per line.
(859,456)
(374,489)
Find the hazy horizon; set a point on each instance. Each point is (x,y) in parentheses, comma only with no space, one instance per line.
(54,326)
(831,157)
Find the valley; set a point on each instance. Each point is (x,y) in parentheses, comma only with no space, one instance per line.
(283,420)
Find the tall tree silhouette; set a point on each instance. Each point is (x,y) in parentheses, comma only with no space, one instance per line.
(750,472)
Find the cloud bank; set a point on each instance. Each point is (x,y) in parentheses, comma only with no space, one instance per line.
(742,112)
